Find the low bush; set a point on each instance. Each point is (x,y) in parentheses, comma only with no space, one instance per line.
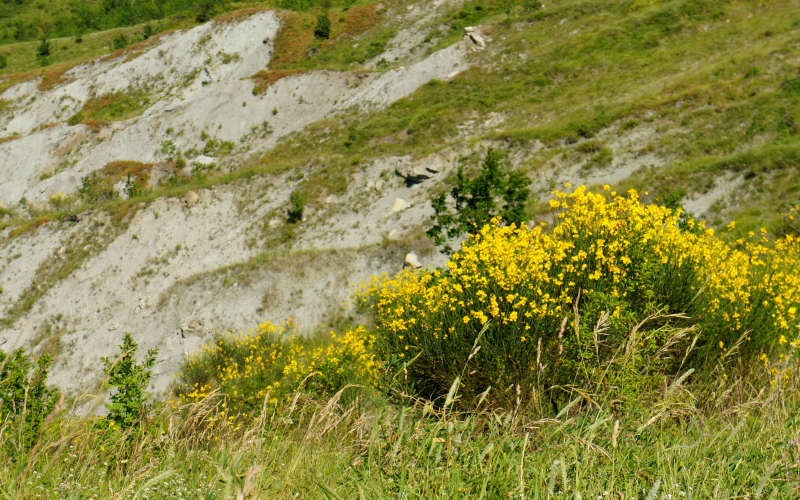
(296,206)
(322,30)
(270,363)
(616,297)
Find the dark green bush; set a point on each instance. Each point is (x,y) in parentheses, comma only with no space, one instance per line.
(44,48)
(119,42)
(323,29)
(475,201)
(296,206)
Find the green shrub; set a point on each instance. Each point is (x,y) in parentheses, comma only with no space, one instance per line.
(3,61)
(475,201)
(296,205)
(791,86)
(25,398)
(132,188)
(531,5)
(44,48)
(613,301)
(128,380)
(43,52)
(96,190)
(322,31)
(119,42)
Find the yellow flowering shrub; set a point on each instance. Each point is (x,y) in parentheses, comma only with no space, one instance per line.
(617,291)
(271,362)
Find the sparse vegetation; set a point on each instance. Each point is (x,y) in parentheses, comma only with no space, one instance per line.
(113,107)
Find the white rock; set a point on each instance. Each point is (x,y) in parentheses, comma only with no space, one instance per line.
(204,160)
(411,260)
(399,205)
(190,198)
(477,40)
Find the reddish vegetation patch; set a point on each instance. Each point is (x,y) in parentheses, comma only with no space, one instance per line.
(14,79)
(96,103)
(359,19)
(263,79)
(294,38)
(134,50)
(93,125)
(46,126)
(53,75)
(9,138)
(138,171)
(35,223)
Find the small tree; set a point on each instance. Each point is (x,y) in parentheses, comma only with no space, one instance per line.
(44,48)
(323,29)
(207,9)
(495,192)
(25,397)
(147,31)
(43,52)
(129,380)
(296,206)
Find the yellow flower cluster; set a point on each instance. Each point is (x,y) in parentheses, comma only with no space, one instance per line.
(270,362)
(608,250)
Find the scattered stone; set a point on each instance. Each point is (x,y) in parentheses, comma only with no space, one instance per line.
(190,199)
(399,205)
(411,261)
(414,174)
(204,161)
(193,326)
(477,40)
(393,235)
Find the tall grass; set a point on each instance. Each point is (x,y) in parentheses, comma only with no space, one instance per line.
(739,441)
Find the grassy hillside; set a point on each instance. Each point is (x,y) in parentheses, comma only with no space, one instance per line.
(652,356)
(704,90)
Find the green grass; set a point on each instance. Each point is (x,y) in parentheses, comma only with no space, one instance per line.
(737,442)
(112,107)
